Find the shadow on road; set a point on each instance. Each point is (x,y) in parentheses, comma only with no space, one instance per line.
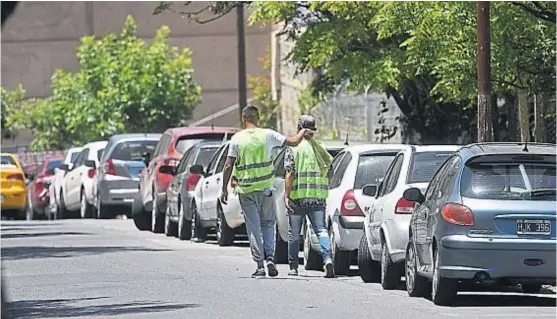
(25,252)
(507,300)
(26,235)
(25,225)
(67,308)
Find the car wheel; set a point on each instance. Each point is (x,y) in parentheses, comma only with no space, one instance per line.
(390,275)
(341,259)
(170,227)
(157,221)
(225,234)
(62,211)
(281,249)
(531,288)
(369,269)
(416,285)
(103,212)
(198,233)
(443,290)
(184,225)
(86,209)
(312,258)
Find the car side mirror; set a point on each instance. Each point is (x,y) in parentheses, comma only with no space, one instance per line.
(414,195)
(49,171)
(370,190)
(146,158)
(90,164)
(64,167)
(197,169)
(165,169)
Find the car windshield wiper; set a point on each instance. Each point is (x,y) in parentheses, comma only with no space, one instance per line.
(542,192)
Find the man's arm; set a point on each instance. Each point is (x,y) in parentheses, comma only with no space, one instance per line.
(227,173)
(288,180)
(289,166)
(296,139)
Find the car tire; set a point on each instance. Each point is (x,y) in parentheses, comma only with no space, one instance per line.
(85,209)
(225,234)
(443,290)
(198,232)
(531,288)
(184,225)
(369,269)
(157,219)
(390,272)
(103,211)
(341,259)
(416,285)
(170,227)
(312,258)
(281,249)
(62,211)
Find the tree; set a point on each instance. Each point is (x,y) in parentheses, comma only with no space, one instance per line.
(11,102)
(123,85)
(260,88)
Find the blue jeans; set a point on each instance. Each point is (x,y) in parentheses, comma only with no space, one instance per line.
(317,218)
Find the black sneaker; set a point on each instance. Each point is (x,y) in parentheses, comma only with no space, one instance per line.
(272,269)
(329,270)
(259,273)
(293,272)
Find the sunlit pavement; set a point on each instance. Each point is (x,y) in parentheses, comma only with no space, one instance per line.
(106,268)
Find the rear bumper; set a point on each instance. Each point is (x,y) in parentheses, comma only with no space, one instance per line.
(463,257)
(348,231)
(13,198)
(117,192)
(233,212)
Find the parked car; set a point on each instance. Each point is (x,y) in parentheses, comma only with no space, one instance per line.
(487,216)
(77,187)
(56,185)
(181,191)
(151,204)
(117,176)
(384,240)
(12,187)
(38,195)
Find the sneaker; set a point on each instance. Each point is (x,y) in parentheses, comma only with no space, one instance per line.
(259,273)
(293,272)
(329,270)
(272,269)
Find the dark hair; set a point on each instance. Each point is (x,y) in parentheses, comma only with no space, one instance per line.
(251,114)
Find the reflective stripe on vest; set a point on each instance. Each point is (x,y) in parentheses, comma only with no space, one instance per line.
(308,182)
(253,168)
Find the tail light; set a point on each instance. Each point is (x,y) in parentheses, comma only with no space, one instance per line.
(15,177)
(457,214)
(404,206)
(349,206)
(233,182)
(91,173)
(109,168)
(192,181)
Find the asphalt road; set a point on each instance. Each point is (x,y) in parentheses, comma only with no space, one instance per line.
(105,268)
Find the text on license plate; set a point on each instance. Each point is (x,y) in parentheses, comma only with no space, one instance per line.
(533,227)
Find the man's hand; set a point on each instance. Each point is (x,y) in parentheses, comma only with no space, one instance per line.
(289,205)
(224,196)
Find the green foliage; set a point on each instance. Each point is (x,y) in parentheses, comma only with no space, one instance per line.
(260,88)
(11,102)
(123,85)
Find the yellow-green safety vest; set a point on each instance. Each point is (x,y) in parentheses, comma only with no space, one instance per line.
(308,182)
(253,167)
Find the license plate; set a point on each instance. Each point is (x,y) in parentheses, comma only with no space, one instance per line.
(533,227)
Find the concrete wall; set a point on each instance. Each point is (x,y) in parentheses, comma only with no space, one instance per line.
(41,37)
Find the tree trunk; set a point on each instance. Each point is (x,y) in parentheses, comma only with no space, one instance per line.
(540,111)
(523,115)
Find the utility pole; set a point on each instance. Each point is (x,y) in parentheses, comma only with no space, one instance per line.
(242,85)
(485,124)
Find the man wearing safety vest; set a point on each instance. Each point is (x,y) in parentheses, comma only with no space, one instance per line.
(250,157)
(308,171)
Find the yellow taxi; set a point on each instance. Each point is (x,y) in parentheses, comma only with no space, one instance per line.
(12,185)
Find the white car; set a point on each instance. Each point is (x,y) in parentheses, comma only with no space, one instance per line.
(56,186)
(77,187)
(383,245)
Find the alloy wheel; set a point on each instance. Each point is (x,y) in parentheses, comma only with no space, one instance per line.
(410,268)
(83,207)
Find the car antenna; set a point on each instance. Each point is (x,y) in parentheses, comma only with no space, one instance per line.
(347,131)
(525,149)
(213,119)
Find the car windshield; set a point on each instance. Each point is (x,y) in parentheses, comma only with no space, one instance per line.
(372,168)
(424,165)
(205,155)
(7,161)
(53,164)
(100,153)
(520,181)
(132,150)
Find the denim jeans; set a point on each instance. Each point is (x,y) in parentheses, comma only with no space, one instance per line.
(317,218)
(259,215)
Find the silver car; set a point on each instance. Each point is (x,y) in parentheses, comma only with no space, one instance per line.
(117,176)
(488,215)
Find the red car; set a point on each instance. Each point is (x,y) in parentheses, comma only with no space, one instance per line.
(38,196)
(148,210)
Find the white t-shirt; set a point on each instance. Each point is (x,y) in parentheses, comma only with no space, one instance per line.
(274,139)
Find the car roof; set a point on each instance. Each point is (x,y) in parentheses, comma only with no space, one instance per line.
(434,148)
(375,147)
(206,144)
(508,148)
(147,136)
(75,149)
(191,130)
(95,144)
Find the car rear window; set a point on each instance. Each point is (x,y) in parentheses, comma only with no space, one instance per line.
(7,160)
(53,164)
(205,155)
(372,168)
(132,150)
(424,165)
(509,181)
(100,153)
(185,142)
(73,157)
